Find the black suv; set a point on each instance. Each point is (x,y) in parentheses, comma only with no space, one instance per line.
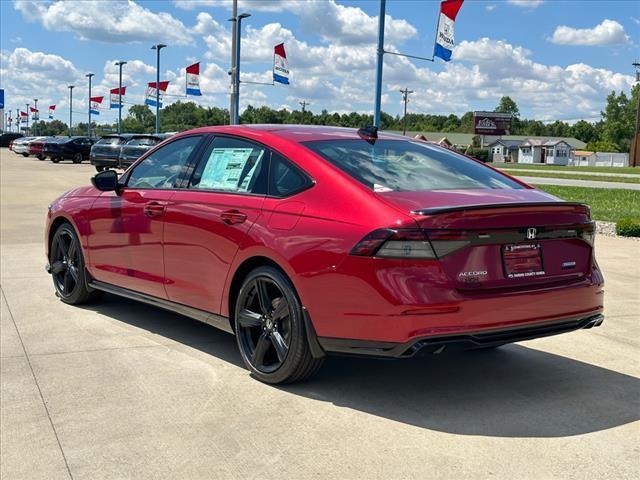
(106,151)
(67,148)
(137,146)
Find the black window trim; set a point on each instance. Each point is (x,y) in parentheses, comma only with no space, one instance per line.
(309,181)
(180,180)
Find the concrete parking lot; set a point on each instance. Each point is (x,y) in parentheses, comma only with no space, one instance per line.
(123,390)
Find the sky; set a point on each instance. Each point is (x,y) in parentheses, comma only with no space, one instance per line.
(557,59)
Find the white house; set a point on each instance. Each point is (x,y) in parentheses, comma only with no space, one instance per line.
(552,151)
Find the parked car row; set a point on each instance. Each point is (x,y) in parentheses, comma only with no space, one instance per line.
(110,151)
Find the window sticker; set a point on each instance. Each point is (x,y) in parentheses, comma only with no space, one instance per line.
(224,168)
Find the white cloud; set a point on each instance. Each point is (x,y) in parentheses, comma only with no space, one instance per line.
(248,5)
(609,32)
(119,21)
(526,3)
(491,7)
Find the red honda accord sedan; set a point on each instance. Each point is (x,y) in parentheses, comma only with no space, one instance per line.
(305,241)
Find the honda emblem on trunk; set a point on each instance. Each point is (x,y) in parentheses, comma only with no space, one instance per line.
(531,233)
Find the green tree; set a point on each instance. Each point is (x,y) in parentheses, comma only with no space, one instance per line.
(585,131)
(507,105)
(618,119)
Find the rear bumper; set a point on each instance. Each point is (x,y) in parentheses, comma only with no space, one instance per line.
(467,341)
(104,161)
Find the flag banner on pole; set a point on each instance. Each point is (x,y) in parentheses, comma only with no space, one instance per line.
(114,96)
(150,95)
(193,79)
(24,116)
(96,102)
(280,65)
(9,120)
(34,111)
(444,34)
(52,109)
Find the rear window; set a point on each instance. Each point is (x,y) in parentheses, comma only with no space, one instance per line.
(110,141)
(142,141)
(403,165)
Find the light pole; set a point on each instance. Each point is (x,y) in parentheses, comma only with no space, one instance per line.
(71,87)
(11,119)
(634,159)
(89,75)
(405,98)
(36,116)
(120,64)
(380,59)
(232,72)
(236,79)
(27,118)
(157,48)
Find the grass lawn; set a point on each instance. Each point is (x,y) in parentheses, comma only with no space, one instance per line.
(608,205)
(585,176)
(530,166)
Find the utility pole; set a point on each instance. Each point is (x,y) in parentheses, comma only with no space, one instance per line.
(120,64)
(36,116)
(71,87)
(232,71)
(304,104)
(380,57)
(89,75)
(157,48)
(405,98)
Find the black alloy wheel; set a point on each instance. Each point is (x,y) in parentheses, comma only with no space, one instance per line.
(270,329)
(77,157)
(67,267)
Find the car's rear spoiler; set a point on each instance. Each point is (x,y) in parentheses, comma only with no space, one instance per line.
(487,206)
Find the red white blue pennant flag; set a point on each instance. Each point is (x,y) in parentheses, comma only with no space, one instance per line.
(52,109)
(280,65)
(96,103)
(444,34)
(35,113)
(24,117)
(114,94)
(151,93)
(193,79)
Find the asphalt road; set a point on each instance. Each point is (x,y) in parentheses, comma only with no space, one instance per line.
(123,390)
(574,182)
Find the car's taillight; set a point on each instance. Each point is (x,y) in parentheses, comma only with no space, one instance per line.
(410,243)
(390,243)
(588,234)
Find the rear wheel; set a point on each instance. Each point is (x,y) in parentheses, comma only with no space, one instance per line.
(67,267)
(55,159)
(25,154)
(99,168)
(41,157)
(77,157)
(270,329)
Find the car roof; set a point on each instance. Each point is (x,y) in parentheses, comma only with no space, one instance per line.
(294,133)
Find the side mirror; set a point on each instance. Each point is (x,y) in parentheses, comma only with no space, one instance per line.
(106,181)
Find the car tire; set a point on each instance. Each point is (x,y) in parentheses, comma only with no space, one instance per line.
(25,155)
(55,159)
(271,334)
(77,157)
(67,267)
(99,168)
(41,157)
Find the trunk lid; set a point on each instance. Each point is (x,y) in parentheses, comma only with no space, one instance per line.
(502,238)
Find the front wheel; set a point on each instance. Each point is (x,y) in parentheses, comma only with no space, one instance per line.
(67,267)
(77,157)
(55,159)
(270,330)
(41,157)
(25,154)
(99,168)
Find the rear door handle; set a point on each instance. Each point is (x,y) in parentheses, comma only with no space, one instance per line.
(232,217)
(154,209)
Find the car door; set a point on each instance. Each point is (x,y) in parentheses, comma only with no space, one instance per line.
(206,222)
(126,227)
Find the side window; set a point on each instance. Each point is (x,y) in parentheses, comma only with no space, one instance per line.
(162,169)
(284,178)
(232,165)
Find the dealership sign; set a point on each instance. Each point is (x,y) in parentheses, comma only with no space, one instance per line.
(491,123)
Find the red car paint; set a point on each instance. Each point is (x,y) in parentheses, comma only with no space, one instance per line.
(185,253)
(35,148)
